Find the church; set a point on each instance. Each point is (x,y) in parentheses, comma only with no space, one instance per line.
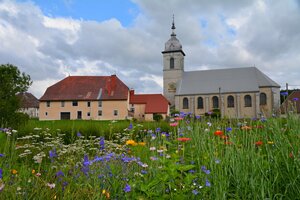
(236,92)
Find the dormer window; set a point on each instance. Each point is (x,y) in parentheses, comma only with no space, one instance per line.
(172,63)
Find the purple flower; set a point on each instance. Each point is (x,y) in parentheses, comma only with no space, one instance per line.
(295,99)
(1,155)
(195,192)
(158,130)
(228,129)
(59,173)
(130,126)
(217,161)
(284,93)
(52,154)
(144,172)
(78,134)
(127,188)
(192,171)
(198,116)
(206,171)
(101,143)
(207,183)
(1,173)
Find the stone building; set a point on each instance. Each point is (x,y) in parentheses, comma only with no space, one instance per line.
(236,92)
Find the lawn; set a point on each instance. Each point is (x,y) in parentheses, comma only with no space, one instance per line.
(189,158)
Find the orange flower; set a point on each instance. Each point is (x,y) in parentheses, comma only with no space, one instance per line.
(13,171)
(184,139)
(258,143)
(33,171)
(218,132)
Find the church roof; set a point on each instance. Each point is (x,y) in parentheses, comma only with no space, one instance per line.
(248,79)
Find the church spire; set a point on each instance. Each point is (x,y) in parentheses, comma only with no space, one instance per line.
(173,27)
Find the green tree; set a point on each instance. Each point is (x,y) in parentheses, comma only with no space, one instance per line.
(12,81)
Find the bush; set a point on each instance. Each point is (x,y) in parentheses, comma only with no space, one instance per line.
(157,117)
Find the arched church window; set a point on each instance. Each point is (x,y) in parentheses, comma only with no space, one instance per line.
(172,64)
(248,101)
(230,101)
(185,104)
(200,103)
(262,99)
(215,100)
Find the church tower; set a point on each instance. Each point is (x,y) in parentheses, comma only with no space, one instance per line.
(173,63)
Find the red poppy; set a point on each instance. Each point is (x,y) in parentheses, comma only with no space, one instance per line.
(258,143)
(183,139)
(174,124)
(219,133)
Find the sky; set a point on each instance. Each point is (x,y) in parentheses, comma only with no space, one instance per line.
(50,40)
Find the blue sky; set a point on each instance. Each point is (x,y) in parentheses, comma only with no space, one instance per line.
(99,10)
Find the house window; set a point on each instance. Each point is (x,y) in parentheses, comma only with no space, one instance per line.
(46,113)
(262,99)
(248,101)
(48,103)
(172,63)
(230,101)
(62,103)
(99,112)
(215,100)
(75,103)
(115,112)
(185,103)
(88,114)
(200,103)
(99,104)
(88,104)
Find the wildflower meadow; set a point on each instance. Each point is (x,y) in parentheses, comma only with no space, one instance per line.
(197,158)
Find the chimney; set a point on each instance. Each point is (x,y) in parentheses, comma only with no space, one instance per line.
(131,92)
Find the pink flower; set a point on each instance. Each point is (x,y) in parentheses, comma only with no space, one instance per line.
(174,124)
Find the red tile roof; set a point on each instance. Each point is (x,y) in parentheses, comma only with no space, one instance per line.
(155,103)
(87,88)
(28,100)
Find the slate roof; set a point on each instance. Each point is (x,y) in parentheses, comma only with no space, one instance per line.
(28,100)
(248,79)
(87,88)
(155,103)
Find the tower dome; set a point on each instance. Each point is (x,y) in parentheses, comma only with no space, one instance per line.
(173,44)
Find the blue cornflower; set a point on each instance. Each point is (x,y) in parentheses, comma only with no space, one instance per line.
(207,183)
(52,154)
(228,129)
(195,192)
(284,93)
(127,188)
(295,99)
(78,134)
(59,173)
(206,171)
(198,116)
(143,171)
(101,143)
(130,126)
(192,171)
(158,130)
(1,155)
(217,161)
(1,173)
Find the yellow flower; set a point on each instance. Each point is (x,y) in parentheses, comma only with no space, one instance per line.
(33,171)
(270,142)
(103,191)
(13,171)
(131,142)
(142,143)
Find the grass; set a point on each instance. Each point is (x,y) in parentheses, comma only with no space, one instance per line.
(212,159)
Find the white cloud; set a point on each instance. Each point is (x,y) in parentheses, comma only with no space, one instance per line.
(236,34)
